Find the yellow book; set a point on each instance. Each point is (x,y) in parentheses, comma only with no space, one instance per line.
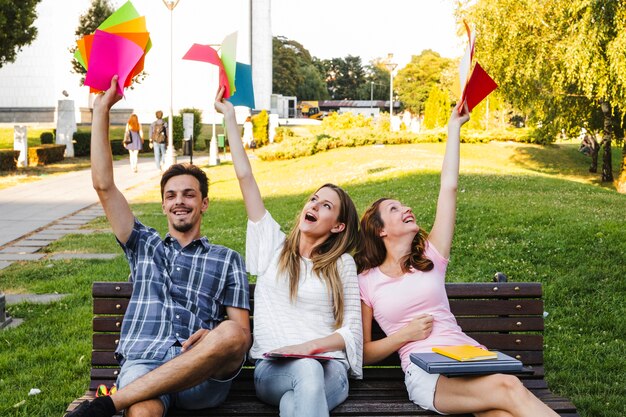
(465,353)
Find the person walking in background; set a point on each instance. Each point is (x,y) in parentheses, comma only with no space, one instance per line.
(158,137)
(247,138)
(133,140)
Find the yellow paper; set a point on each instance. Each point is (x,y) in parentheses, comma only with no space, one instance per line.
(465,353)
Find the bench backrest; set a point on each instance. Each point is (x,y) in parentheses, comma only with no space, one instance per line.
(503,316)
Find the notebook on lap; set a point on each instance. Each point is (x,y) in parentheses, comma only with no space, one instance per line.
(434,363)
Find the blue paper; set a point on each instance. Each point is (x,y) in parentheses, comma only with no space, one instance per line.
(244,91)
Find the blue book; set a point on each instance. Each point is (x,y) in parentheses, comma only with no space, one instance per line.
(434,363)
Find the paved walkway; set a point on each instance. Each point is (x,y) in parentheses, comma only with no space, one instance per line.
(34,214)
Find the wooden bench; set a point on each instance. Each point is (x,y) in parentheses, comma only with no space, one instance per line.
(503,316)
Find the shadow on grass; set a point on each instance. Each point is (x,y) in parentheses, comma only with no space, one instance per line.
(564,160)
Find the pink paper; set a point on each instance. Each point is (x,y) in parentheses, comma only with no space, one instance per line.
(205,53)
(479,86)
(111,55)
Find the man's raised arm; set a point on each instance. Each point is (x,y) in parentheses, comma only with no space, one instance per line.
(113,201)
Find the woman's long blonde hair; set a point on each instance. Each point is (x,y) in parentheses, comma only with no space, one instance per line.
(325,255)
(133,123)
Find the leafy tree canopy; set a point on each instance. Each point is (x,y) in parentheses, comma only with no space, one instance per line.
(294,71)
(88,22)
(16,27)
(562,62)
(415,81)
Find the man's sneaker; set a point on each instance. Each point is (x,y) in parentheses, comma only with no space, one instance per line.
(100,407)
(80,411)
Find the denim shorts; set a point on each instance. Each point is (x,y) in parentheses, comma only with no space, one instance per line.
(209,393)
(421,387)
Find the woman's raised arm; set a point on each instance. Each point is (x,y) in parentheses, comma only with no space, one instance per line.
(249,188)
(445,216)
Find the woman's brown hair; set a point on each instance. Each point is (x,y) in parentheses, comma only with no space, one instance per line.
(325,255)
(372,252)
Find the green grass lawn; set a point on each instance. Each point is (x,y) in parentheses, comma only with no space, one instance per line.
(533,213)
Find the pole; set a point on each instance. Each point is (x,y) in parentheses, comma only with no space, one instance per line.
(214,158)
(372,97)
(170,154)
(390,94)
(390,66)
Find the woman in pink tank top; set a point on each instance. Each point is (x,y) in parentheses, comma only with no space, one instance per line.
(402,282)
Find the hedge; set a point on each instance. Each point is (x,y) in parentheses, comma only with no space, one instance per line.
(45,154)
(8,159)
(46,138)
(82,145)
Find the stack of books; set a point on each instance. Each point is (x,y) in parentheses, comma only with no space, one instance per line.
(465,360)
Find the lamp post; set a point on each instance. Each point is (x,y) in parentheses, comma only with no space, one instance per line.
(390,67)
(170,154)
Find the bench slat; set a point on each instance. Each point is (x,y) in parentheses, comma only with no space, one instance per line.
(453,289)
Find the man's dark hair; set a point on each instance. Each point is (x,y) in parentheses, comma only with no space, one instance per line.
(186,169)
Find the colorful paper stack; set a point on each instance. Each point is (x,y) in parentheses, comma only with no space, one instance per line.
(233,76)
(118,47)
(477,86)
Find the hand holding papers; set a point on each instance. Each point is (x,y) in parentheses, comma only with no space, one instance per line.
(233,76)
(118,47)
(478,85)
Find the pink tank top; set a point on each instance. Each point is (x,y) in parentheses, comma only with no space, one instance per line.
(396,301)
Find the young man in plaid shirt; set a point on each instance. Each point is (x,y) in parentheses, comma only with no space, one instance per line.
(175,348)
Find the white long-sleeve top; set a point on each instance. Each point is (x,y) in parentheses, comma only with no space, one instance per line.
(279,322)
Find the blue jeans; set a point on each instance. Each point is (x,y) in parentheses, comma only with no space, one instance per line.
(301,387)
(209,393)
(159,154)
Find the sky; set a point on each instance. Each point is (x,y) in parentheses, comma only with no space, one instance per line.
(369,28)
(328,29)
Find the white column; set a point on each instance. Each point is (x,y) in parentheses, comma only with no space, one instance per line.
(261,30)
(66,126)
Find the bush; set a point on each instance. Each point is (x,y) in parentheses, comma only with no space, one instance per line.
(82,143)
(117,147)
(8,159)
(336,121)
(46,138)
(282,133)
(178,132)
(260,123)
(363,132)
(45,154)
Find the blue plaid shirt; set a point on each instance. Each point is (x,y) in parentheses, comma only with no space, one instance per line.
(176,291)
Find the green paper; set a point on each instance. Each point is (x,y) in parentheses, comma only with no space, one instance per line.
(229,59)
(123,14)
(79,58)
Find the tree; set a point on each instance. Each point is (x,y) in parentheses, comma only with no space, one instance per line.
(97,13)
(345,77)
(415,81)
(436,108)
(562,62)
(376,85)
(294,71)
(16,28)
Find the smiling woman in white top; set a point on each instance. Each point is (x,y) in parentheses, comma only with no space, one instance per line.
(306,298)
